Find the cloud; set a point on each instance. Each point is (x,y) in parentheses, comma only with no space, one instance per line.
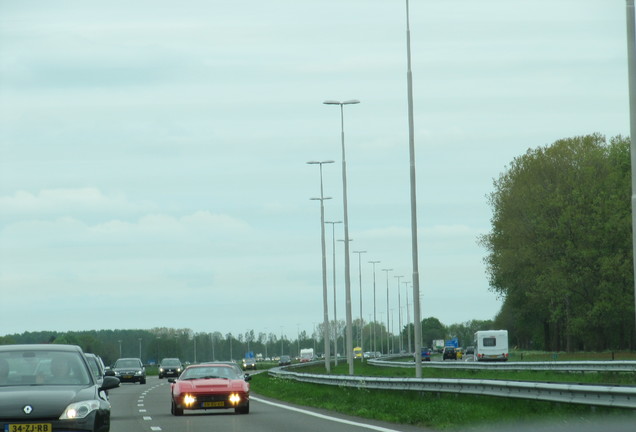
(52,202)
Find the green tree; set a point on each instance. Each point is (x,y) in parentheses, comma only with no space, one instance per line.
(560,247)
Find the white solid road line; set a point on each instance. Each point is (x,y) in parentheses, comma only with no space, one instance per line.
(322,416)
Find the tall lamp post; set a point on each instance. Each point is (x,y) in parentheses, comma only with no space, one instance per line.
(324,268)
(631,72)
(360,280)
(346,232)
(335,316)
(388,337)
(399,312)
(374,315)
(408,316)
(416,272)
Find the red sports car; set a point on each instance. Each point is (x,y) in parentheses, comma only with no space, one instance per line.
(210,386)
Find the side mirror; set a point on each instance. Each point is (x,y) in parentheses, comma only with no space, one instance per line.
(109,372)
(171,380)
(109,382)
(248,377)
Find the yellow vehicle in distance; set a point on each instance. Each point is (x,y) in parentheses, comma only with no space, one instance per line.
(357,353)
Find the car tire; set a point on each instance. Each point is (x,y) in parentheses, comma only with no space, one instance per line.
(176,411)
(142,381)
(243,410)
(160,376)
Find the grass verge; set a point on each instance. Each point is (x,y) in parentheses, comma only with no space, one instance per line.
(433,410)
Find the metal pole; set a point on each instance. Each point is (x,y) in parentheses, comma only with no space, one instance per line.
(399,313)
(349,337)
(416,274)
(335,315)
(375,348)
(408,316)
(631,63)
(360,280)
(387,309)
(324,270)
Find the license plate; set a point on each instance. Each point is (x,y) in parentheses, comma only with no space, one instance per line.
(213,404)
(127,376)
(32,427)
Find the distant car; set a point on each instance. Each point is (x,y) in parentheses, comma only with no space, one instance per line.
(249,363)
(51,388)
(97,366)
(368,354)
(170,367)
(449,353)
(284,360)
(130,370)
(210,386)
(470,350)
(426,354)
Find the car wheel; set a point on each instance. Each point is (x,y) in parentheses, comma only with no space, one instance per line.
(160,376)
(142,381)
(176,411)
(243,410)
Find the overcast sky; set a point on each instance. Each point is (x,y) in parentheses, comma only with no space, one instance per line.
(153,152)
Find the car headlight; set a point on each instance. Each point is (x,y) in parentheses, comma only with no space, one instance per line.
(79,410)
(235,398)
(160,369)
(189,400)
(139,372)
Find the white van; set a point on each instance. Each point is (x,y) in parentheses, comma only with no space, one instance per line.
(491,345)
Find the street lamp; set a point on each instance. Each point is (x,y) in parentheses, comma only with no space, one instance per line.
(408,316)
(360,280)
(324,267)
(387,309)
(631,75)
(374,315)
(346,231)
(399,312)
(416,272)
(335,317)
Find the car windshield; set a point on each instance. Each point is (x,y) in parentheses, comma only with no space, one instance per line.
(171,362)
(201,372)
(127,363)
(31,367)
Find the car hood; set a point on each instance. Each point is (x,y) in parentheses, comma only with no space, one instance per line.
(45,401)
(211,385)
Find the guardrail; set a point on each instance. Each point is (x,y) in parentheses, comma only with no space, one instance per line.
(599,395)
(567,366)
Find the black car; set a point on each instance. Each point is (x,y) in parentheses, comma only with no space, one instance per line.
(170,367)
(249,363)
(49,388)
(129,370)
(449,353)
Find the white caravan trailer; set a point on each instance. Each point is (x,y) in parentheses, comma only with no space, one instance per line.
(491,345)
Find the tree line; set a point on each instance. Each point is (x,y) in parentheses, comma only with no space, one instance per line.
(560,248)
(189,346)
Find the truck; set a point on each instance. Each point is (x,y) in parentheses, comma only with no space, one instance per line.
(306,355)
(491,345)
(438,345)
(357,353)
